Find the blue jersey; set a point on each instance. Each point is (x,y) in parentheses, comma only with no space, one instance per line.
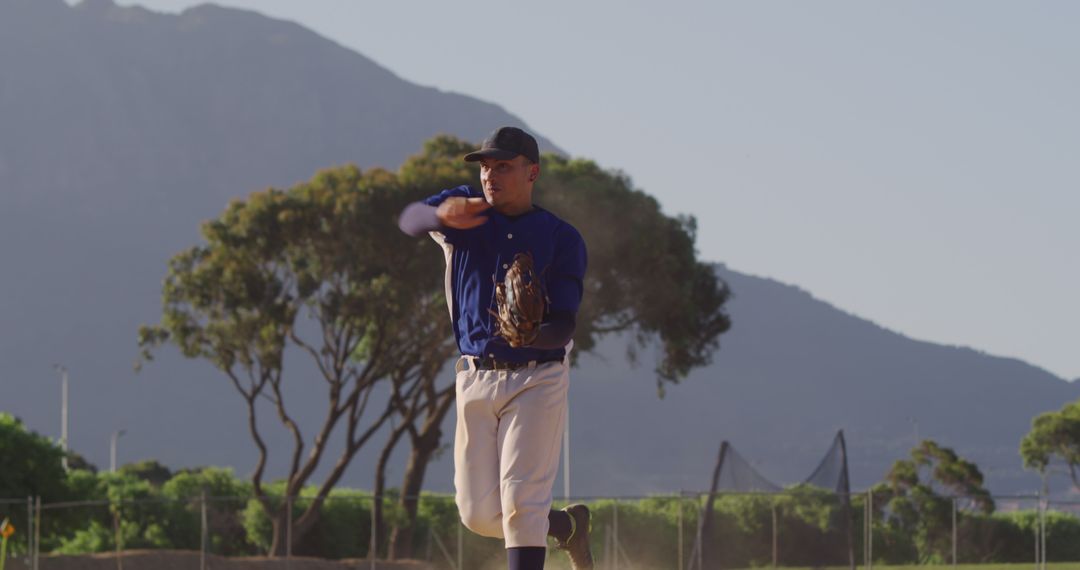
(478,258)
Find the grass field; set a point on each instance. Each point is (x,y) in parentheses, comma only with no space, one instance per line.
(557,563)
(1023,566)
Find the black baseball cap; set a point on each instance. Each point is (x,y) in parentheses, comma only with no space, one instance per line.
(506,143)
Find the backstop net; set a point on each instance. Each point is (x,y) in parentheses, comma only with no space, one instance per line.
(748,520)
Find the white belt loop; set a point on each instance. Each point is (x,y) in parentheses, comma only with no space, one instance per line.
(458,367)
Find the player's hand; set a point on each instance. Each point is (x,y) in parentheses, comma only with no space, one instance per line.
(462,213)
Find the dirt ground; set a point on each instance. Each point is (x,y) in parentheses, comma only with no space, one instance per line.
(188,560)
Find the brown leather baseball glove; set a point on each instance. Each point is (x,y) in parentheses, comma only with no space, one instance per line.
(521,301)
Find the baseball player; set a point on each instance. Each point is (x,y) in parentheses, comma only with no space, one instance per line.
(511,400)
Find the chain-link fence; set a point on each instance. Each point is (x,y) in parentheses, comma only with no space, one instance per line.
(18,513)
(799,528)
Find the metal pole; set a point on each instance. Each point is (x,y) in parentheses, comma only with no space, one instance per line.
(954,532)
(1038,534)
(680,555)
(700,539)
(288,531)
(112,448)
(37,533)
(775,531)
(1041,538)
(119,535)
(202,532)
(608,564)
(866,529)
(615,533)
(373,549)
(693,556)
(63,413)
(613,553)
(870,543)
(460,548)
(1042,530)
(1038,554)
(64,419)
(428,550)
(29,528)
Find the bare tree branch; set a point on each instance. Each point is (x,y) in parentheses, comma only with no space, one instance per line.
(314,355)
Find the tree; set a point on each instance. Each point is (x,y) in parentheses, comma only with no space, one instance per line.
(226,495)
(133,517)
(149,470)
(374,303)
(913,498)
(643,279)
(32,466)
(420,417)
(319,271)
(32,463)
(1054,434)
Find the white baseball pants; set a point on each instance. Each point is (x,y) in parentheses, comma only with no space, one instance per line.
(506,448)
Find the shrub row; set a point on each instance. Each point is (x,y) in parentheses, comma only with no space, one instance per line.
(802,527)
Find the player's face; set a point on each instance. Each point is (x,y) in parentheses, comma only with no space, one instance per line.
(508,183)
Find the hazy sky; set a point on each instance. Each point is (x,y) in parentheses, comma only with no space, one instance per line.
(915,163)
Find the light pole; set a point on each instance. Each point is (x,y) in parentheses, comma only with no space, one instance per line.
(63,412)
(112,449)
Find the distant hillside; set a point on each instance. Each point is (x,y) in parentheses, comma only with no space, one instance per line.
(121,129)
(791,372)
(123,103)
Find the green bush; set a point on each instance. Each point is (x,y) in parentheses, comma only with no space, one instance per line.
(225,498)
(133,517)
(32,466)
(342,531)
(810,529)
(129,508)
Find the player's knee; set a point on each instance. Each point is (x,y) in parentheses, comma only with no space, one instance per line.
(481,521)
(526,527)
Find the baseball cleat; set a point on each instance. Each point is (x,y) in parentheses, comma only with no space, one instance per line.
(577,545)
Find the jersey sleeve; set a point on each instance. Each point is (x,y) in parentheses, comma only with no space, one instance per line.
(464,191)
(566,278)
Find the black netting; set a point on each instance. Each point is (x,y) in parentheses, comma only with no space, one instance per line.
(736,474)
(831,473)
(750,521)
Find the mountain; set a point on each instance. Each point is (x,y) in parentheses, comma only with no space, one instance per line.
(121,129)
(792,371)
